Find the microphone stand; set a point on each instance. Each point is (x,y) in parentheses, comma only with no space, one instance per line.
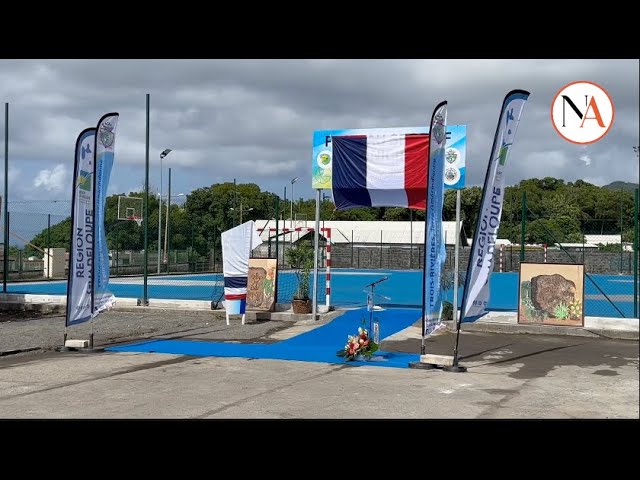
(370,299)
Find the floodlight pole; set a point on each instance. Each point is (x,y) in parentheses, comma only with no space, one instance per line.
(163,154)
(145,296)
(166,222)
(5,204)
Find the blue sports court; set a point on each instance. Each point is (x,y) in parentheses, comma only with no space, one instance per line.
(348,289)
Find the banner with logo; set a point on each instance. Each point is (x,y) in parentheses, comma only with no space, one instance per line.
(322,153)
(476,291)
(105,140)
(434,245)
(80,286)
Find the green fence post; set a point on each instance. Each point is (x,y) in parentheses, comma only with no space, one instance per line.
(275,288)
(523,224)
(636,241)
(621,229)
(49,246)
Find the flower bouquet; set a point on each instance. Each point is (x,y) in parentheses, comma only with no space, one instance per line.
(359,345)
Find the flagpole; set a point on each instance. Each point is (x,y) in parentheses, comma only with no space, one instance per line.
(315,256)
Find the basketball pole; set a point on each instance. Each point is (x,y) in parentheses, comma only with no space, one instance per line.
(145,217)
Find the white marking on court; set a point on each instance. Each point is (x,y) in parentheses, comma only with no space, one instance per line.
(173,282)
(447,392)
(359,273)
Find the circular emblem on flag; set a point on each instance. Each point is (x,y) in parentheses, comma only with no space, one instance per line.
(451,176)
(324,159)
(452,155)
(106,134)
(439,132)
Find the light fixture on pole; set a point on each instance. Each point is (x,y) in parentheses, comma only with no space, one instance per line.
(241,210)
(163,154)
(293,180)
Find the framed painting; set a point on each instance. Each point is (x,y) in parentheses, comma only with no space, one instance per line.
(551,294)
(261,284)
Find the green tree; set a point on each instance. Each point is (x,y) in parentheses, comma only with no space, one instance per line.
(59,236)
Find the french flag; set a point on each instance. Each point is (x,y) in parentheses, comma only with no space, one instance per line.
(380,170)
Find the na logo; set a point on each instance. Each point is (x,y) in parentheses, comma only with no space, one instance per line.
(582,112)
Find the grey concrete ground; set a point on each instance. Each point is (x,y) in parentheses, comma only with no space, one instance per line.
(29,331)
(509,376)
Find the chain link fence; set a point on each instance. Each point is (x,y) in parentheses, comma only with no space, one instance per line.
(607,247)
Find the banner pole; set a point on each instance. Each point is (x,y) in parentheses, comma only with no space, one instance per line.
(316,234)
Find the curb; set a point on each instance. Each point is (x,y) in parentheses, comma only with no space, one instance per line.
(495,327)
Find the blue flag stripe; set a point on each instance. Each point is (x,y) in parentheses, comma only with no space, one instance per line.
(350,172)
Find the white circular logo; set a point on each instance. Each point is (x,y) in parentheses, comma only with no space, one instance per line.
(451,175)
(324,159)
(452,156)
(582,112)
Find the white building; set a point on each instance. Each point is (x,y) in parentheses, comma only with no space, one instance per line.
(357,232)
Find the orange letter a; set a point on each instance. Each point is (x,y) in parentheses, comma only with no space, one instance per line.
(596,112)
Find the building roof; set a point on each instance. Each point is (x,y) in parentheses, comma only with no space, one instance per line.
(358,232)
(604,239)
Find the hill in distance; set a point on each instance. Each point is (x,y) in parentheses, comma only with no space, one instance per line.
(627,186)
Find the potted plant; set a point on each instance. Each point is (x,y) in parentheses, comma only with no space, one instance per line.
(300,258)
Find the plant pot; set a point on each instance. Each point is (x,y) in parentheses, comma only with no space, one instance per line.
(301,306)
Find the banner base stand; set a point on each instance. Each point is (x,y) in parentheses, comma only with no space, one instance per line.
(422,365)
(455,369)
(443,362)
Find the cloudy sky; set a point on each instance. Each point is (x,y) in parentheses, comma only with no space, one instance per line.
(253,120)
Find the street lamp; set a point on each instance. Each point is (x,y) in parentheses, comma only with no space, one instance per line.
(293,180)
(241,210)
(166,222)
(163,154)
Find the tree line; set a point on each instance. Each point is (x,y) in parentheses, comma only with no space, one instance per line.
(555,212)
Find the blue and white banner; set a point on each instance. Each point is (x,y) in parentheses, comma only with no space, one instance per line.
(80,286)
(435,249)
(476,291)
(105,140)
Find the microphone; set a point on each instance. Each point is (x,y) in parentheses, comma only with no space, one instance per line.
(377,281)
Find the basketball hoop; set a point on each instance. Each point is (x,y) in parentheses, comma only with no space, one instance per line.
(136,219)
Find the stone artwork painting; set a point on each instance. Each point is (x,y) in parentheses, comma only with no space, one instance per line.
(261,284)
(551,293)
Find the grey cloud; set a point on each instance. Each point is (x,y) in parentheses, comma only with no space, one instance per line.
(254,119)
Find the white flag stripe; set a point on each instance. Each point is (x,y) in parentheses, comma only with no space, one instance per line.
(386,170)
